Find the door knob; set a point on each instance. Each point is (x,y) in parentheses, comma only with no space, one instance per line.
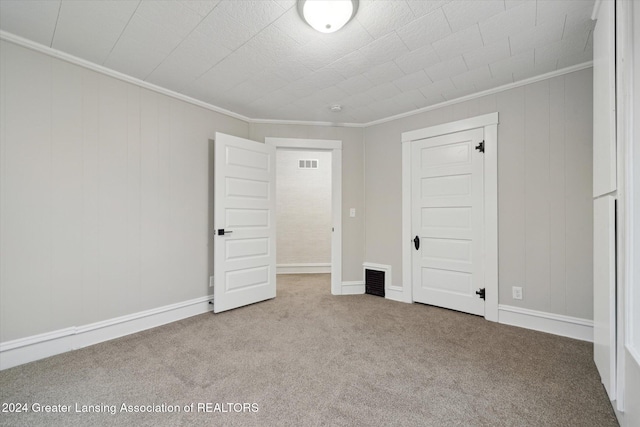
(416,242)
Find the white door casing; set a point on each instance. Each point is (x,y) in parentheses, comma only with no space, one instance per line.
(489,124)
(447,216)
(335,147)
(244,207)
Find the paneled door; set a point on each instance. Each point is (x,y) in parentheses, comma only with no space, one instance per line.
(447,221)
(244,221)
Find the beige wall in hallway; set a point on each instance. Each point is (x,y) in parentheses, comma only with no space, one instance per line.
(303,204)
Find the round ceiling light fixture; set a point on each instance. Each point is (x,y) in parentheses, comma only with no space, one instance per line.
(327,16)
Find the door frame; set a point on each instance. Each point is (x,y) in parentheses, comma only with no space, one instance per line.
(489,122)
(335,147)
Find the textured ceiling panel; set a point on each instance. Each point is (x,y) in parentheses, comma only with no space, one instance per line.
(355,84)
(425,30)
(421,58)
(422,7)
(383,17)
(499,27)
(259,59)
(459,43)
(201,7)
(34,20)
(384,73)
(445,69)
(412,81)
(464,13)
(90,29)
(170,15)
(540,35)
(488,53)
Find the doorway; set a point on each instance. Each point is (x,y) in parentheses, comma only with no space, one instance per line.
(332,152)
(447,209)
(303,211)
(450,255)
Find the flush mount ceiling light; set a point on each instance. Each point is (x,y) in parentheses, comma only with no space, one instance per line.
(327,16)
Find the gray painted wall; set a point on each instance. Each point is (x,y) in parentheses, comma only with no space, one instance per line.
(104,195)
(303,205)
(352,183)
(544,190)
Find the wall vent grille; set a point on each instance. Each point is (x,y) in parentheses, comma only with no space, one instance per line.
(308,164)
(374,282)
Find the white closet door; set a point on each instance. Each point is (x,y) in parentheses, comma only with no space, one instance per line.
(604,101)
(447,214)
(604,280)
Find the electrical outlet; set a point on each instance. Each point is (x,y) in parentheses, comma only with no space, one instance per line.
(517,292)
(211,281)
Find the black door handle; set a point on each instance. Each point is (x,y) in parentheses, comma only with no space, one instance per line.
(416,242)
(222,232)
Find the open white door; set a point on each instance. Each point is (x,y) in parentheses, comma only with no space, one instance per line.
(244,221)
(448,221)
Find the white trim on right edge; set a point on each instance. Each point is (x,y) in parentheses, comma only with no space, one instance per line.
(557,324)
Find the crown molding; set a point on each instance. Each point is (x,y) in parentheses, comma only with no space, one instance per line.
(21,41)
(305,123)
(492,91)
(12,38)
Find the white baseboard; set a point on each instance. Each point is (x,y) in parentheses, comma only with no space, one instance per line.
(566,326)
(353,287)
(397,293)
(308,268)
(29,349)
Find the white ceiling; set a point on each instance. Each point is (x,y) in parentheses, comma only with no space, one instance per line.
(259,59)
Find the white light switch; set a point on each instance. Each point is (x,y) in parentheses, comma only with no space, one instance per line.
(352,212)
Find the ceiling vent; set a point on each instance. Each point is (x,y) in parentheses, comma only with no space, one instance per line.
(308,164)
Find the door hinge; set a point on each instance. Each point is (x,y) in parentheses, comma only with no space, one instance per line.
(480,293)
(480,147)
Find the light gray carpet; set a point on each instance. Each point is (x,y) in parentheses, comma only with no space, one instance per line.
(308,358)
